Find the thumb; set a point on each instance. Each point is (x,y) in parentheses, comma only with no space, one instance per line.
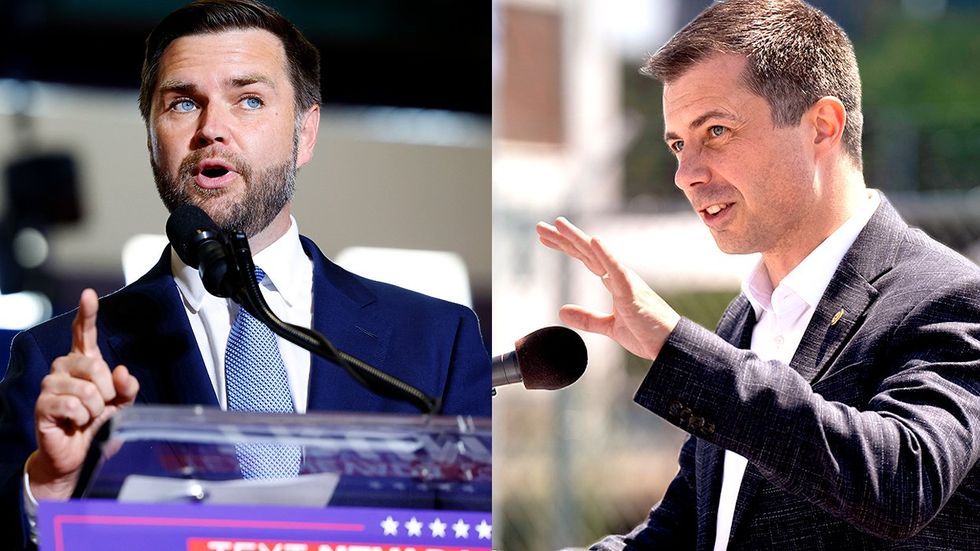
(126,386)
(586,319)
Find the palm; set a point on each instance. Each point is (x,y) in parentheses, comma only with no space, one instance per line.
(67,446)
(640,320)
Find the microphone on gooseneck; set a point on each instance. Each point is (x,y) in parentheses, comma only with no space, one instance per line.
(549,358)
(200,244)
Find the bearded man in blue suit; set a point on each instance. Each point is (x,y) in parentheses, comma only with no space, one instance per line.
(230,96)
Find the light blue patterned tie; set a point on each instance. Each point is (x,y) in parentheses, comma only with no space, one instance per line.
(256,380)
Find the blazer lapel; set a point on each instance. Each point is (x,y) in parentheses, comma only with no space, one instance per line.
(148,332)
(838,314)
(341,313)
(851,291)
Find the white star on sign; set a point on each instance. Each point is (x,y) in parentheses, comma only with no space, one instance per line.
(438,528)
(414,527)
(390,526)
(462,529)
(483,530)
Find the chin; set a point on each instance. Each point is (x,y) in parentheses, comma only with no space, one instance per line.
(729,245)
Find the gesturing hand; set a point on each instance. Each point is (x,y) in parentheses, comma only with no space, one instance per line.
(640,320)
(77,397)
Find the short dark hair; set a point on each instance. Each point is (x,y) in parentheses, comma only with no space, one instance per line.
(796,55)
(213,16)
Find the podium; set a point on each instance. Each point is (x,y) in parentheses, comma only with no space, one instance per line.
(169,478)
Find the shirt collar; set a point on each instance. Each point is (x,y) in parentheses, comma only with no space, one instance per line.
(284,263)
(810,278)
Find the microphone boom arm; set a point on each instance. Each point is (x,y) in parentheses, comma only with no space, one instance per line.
(368,376)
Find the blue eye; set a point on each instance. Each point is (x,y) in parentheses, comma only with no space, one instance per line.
(252,103)
(716,131)
(677,146)
(183,106)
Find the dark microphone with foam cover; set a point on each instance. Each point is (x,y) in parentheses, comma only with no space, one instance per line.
(200,244)
(549,358)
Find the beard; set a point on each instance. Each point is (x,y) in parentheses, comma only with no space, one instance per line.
(266,191)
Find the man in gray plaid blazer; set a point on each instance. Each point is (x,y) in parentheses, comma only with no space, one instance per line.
(838,404)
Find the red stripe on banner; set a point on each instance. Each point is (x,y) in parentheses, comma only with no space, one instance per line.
(217,544)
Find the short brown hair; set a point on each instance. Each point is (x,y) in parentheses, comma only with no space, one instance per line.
(796,55)
(213,16)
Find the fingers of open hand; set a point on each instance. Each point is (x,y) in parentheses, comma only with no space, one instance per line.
(84,337)
(586,319)
(567,238)
(616,277)
(126,385)
(92,370)
(67,398)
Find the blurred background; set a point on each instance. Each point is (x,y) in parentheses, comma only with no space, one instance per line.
(578,132)
(402,160)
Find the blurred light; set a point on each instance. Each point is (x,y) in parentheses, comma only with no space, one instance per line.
(438,274)
(30,248)
(140,253)
(414,126)
(23,310)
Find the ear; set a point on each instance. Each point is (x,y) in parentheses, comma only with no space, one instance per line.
(307,135)
(827,118)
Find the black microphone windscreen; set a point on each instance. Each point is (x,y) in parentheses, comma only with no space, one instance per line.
(184,224)
(551,358)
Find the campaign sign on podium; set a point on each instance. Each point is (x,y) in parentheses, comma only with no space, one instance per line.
(170,478)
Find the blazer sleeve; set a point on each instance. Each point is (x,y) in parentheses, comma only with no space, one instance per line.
(467,389)
(672,522)
(882,442)
(18,393)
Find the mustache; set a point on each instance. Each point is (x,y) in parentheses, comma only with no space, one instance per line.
(189,164)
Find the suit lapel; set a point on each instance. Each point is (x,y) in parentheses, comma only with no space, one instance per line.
(850,293)
(837,316)
(342,313)
(147,331)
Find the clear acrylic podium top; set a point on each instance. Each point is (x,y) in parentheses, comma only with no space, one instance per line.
(188,453)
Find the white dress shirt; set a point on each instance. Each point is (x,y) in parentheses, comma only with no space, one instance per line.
(783,315)
(288,288)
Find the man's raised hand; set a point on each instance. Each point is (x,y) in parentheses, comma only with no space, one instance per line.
(77,397)
(640,320)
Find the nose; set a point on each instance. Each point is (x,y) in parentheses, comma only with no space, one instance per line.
(212,127)
(691,170)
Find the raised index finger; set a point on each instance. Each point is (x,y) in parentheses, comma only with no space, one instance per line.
(84,338)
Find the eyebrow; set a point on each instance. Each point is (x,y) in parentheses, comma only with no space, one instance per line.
(188,88)
(703,118)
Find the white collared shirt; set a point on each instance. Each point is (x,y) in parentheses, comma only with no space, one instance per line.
(288,288)
(783,315)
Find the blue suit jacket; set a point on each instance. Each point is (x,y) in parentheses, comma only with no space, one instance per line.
(429,343)
(868,439)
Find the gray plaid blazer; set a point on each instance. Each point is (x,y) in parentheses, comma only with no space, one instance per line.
(869,439)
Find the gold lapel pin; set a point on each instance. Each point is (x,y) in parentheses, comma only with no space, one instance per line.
(837,317)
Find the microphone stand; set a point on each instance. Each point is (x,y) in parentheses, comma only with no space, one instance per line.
(249,297)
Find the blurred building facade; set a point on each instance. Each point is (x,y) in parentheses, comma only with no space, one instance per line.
(405,131)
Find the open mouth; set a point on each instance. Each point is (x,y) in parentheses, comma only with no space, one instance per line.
(213,174)
(215,171)
(714,210)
